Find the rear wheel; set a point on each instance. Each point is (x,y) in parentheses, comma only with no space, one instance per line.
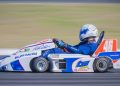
(101,64)
(39,64)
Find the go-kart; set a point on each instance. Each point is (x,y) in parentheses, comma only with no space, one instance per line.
(29,58)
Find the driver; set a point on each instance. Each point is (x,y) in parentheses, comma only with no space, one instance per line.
(87,46)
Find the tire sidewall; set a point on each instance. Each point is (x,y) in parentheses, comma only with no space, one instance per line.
(96,64)
(34,64)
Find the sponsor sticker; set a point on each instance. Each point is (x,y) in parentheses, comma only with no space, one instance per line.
(41,47)
(80,66)
(26,54)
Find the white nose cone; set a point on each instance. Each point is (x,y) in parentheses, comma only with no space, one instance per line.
(7,51)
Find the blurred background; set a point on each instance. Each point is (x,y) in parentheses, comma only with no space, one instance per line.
(24,22)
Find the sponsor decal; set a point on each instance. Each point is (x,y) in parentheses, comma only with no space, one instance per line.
(80,66)
(25,50)
(41,47)
(54,56)
(82,69)
(26,54)
(107,45)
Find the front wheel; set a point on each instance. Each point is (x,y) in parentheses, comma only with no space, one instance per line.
(39,64)
(101,64)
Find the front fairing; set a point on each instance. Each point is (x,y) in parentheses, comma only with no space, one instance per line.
(27,53)
(39,46)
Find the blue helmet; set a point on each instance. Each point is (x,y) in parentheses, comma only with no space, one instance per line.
(88,30)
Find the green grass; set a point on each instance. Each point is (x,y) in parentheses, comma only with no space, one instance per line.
(22,24)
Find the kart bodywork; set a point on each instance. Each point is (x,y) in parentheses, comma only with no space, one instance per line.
(29,59)
(86,63)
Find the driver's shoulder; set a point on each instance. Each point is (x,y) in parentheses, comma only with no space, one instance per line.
(79,44)
(85,44)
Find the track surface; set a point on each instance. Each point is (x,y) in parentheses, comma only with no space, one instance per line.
(59,79)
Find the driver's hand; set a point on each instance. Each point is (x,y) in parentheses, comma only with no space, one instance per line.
(59,43)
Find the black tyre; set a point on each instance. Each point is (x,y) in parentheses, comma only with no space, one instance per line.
(101,64)
(39,64)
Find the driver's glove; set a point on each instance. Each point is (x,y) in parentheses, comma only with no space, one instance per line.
(60,43)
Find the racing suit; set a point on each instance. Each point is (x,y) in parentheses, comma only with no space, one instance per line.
(81,48)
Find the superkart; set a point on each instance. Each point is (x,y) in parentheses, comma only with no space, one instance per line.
(106,57)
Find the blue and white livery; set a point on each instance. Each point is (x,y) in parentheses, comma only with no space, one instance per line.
(29,59)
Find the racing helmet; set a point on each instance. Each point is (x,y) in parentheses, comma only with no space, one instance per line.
(88,30)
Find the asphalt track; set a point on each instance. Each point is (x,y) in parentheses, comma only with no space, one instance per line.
(60,79)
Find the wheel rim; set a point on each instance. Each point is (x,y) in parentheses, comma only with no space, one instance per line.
(41,65)
(102,65)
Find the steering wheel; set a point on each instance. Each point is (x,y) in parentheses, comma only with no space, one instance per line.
(56,42)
